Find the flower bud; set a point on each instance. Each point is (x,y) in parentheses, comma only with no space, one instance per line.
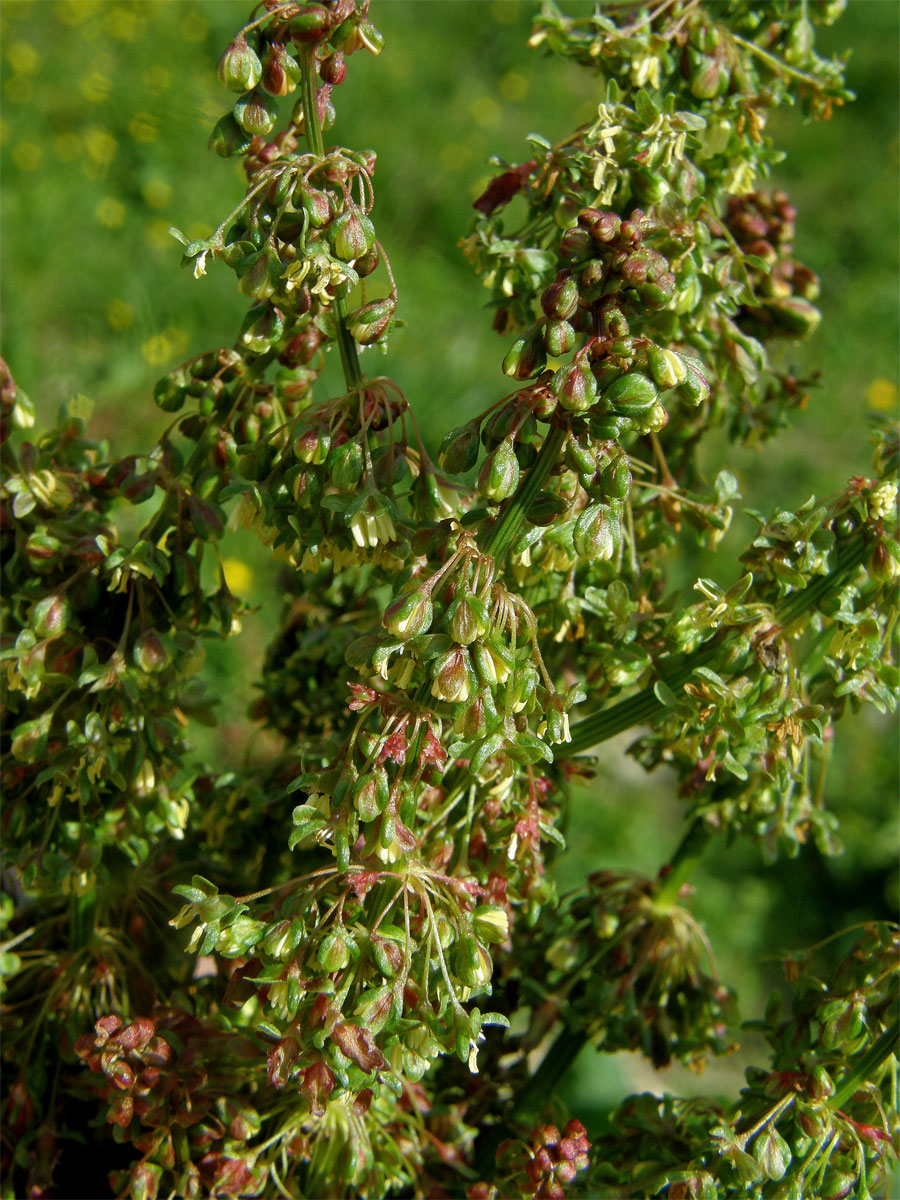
(560,299)
(615,478)
(346,465)
(666,367)
(631,395)
(333,953)
(50,616)
(597,533)
(409,615)
(499,475)
(452,676)
(313,445)
(281,72)
(546,508)
(472,962)
(352,235)
(459,449)
(149,653)
(695,387)
(333,69)
(493,663)
(256,113)
(525,357)
(315,203)
(467,618)
(793,315)
(575,245)
(575,387)
(559,338)
(491,923)
(239,67)
(262,327)
(227,137)
(171,390)
(371,793)
(310,24)
(372,321)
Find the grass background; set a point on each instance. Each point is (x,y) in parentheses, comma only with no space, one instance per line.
(106,107)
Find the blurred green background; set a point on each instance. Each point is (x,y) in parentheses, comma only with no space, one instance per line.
(106,107)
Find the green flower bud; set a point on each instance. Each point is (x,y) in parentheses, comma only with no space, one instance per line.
(310,24)
(575,387)
(525,357)
(459,449)
(371,793)
(227,137)
(313,445)
(150,654)
(333,953)
(695,387)
(256,113)
(576,245)
(472,963)
(259,274)
(546,508)
(615,478)
(467,618)
(631,395)
(560,299)
(491,923)
(793,315)
(171,390)
(239,67)
(345,464)
(653,421)
(666,367)
(559,338)
(315,203)
(262,327)
(372,321)
(351,235)
(598,534)
(50,616)
(409,615)
(492,662)
(499,475)
(452,676)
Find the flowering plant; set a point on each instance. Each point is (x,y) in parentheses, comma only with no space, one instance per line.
(379,986)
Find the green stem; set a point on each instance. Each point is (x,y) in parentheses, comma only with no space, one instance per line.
(641,708)
(863,1070)
(507,527)
(682,863)
(353,375)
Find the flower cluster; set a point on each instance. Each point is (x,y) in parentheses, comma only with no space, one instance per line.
(377,892)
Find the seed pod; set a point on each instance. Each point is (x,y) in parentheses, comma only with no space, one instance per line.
(559,338)
(409,615)
(239,67)
(666,367)
(560,298)
(499,475)
(256,113)
(351,235)
(575,387)
(597,533)
(459,449)
(631,395)
(228,138)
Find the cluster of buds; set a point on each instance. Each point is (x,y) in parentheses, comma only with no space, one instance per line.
(633,970)
(168,1074)
(763,226)
(539,1167)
